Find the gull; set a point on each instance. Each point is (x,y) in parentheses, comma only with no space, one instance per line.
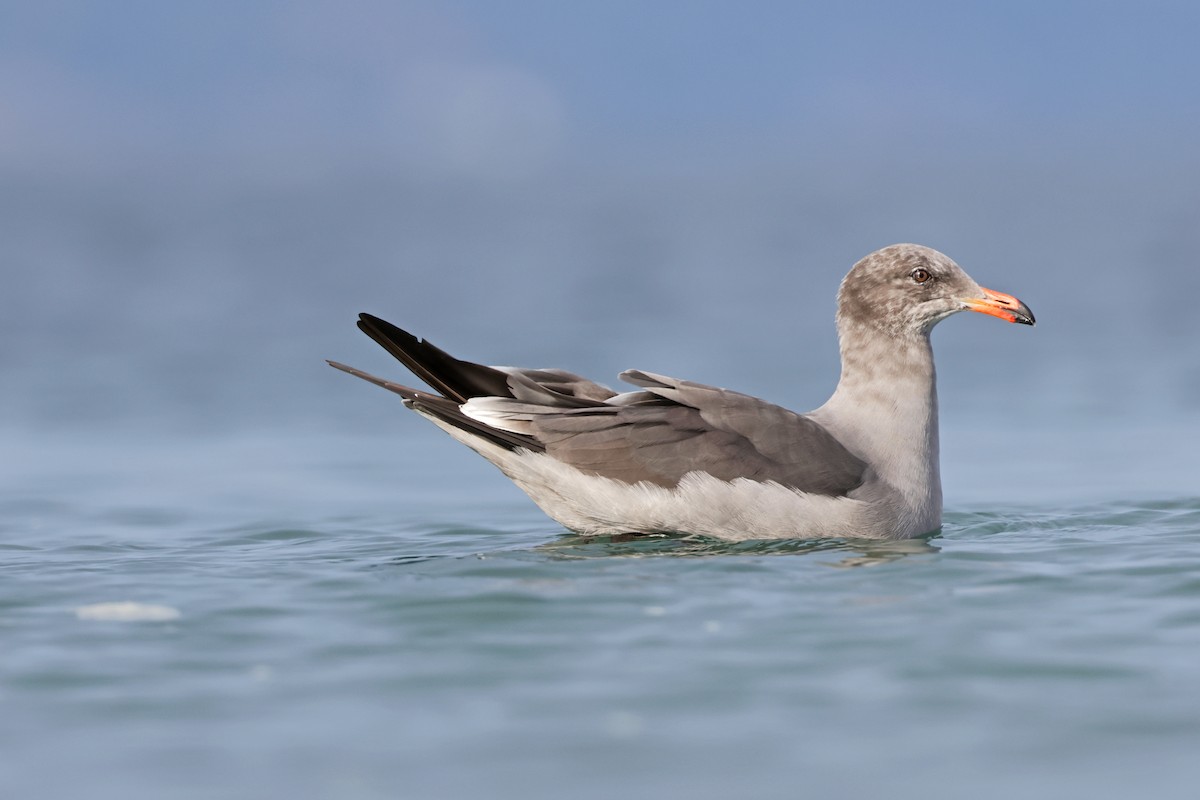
(675,456)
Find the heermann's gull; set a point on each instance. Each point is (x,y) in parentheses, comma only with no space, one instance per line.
(682,457)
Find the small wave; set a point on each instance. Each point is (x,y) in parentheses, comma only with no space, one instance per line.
(1163,516)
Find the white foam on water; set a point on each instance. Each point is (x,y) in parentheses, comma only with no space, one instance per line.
(127,612)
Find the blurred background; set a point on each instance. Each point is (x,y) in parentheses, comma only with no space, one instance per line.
(196,199)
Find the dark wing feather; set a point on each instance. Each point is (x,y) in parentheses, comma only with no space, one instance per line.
(461,380)
(454,379)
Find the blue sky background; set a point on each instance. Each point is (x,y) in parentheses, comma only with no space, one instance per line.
(196,198)
(541,81)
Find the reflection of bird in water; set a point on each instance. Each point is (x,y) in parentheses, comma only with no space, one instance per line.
(859,552)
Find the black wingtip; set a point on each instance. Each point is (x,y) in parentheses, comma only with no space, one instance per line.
(385,333)
(455,379)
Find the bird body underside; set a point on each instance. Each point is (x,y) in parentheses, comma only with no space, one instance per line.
(699,504)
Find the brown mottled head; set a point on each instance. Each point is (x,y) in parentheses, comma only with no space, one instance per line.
(906,289)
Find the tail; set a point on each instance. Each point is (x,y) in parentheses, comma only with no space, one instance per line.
(455,381)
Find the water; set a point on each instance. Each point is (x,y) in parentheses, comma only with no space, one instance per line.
(367,616)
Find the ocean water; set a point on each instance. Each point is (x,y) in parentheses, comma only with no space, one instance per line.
(341,615)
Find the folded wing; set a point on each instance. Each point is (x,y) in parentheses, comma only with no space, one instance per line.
(658,434)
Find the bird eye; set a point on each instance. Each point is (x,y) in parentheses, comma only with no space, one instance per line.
(920,275)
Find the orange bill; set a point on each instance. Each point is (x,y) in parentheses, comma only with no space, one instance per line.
(1001,305)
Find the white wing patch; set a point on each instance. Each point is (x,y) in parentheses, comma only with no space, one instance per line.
(497,412)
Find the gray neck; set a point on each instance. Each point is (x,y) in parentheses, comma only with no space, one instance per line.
(885,411)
